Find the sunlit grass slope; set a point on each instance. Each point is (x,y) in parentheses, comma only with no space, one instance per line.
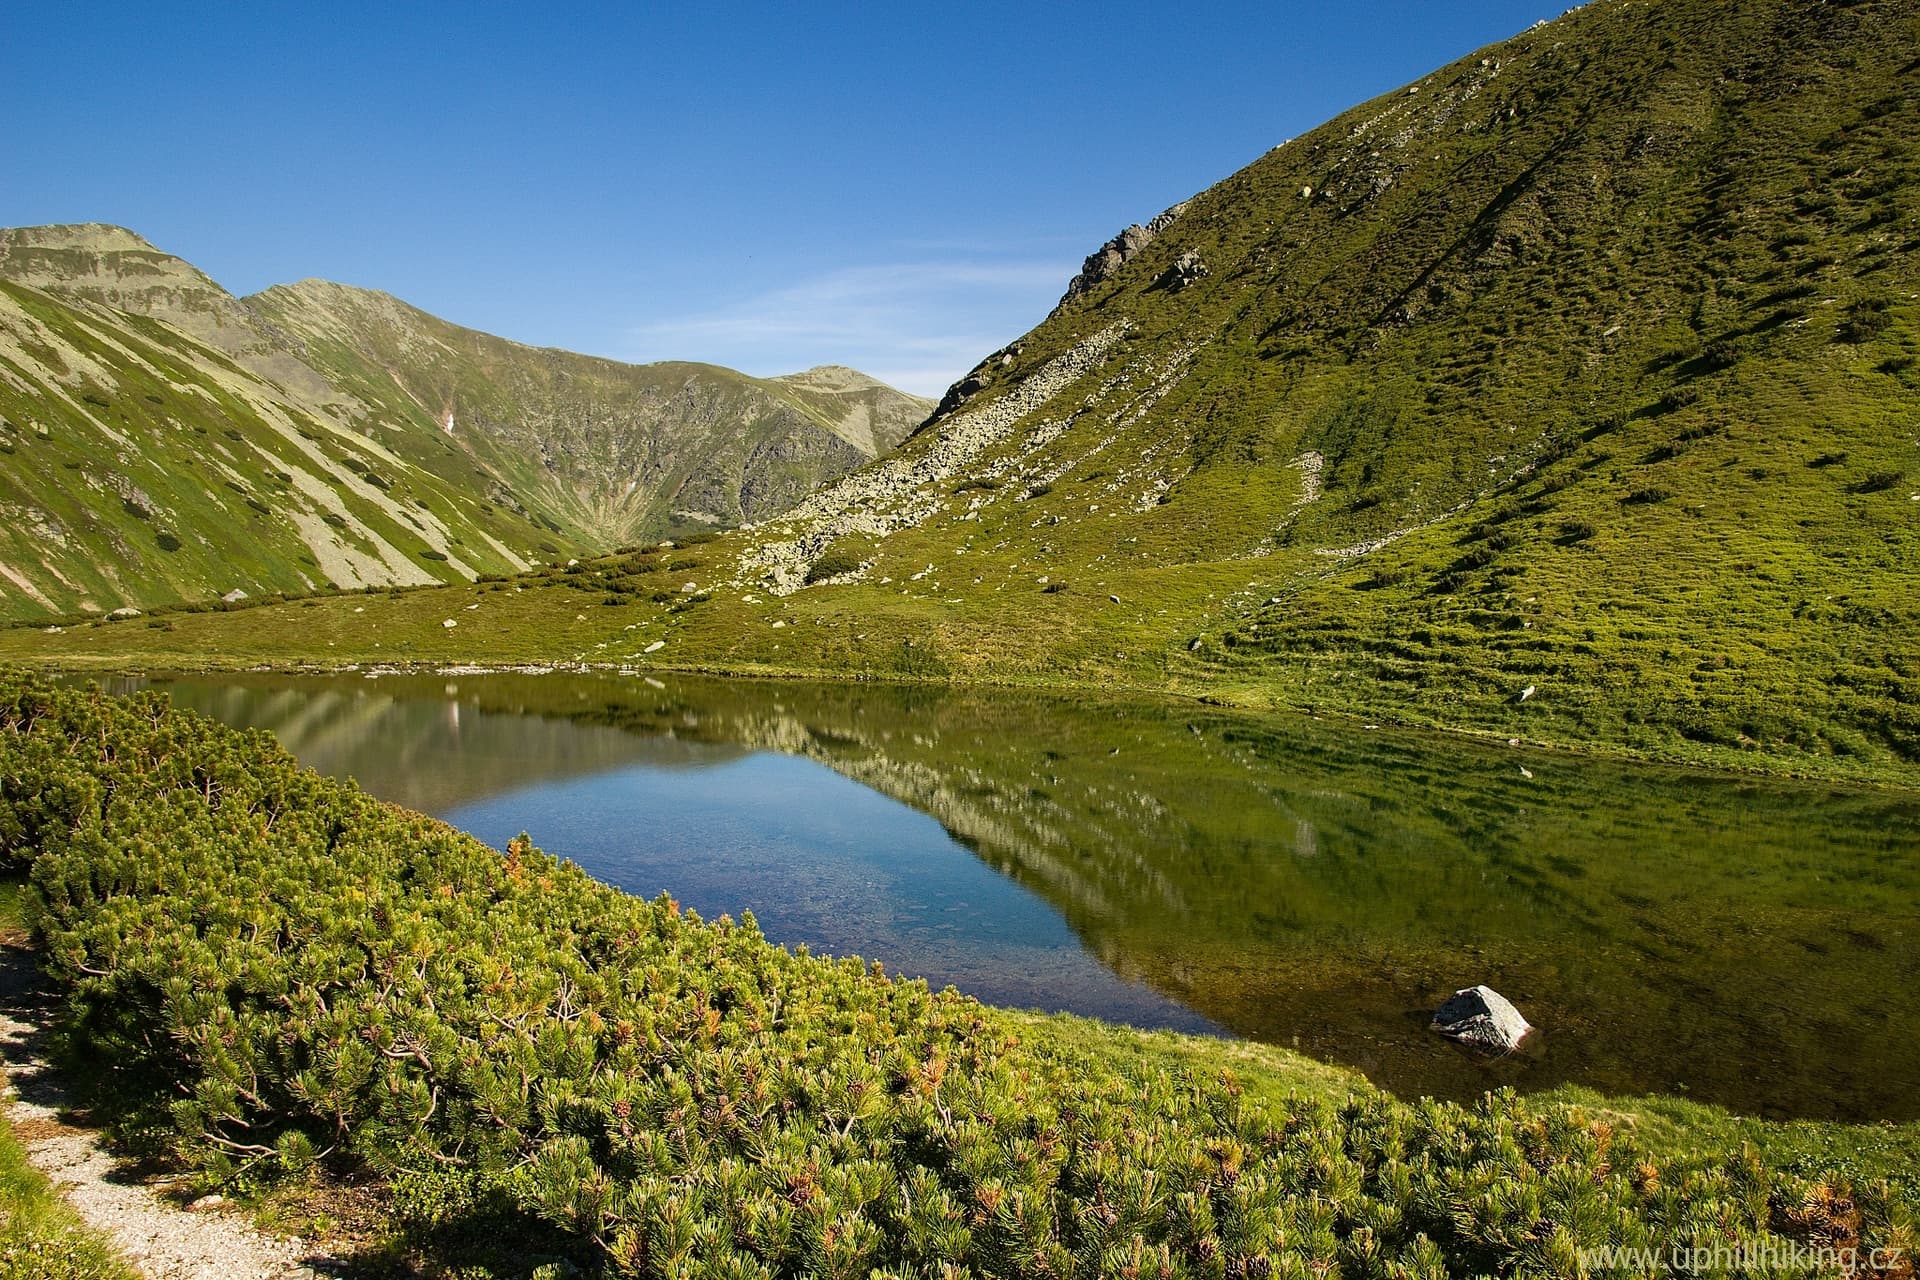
(163,441)
(140,466)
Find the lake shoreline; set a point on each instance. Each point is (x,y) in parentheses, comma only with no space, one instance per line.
(1293,882)
(1182,1085)
(1713,761)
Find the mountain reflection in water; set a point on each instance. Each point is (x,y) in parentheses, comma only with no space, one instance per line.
(1173,865)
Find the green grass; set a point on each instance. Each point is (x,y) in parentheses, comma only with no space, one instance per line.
(1676,1128)
(40,1236)
(12,903)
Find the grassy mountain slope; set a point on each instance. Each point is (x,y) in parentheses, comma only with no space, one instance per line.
(610,452)
(1585,365)
(120,364)
(139,466)
(115,268)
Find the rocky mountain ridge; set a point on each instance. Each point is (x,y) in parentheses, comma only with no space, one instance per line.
(326,402)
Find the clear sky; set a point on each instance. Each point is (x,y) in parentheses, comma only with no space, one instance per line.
(899,186)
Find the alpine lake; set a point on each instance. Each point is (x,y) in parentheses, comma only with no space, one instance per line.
(1751,943)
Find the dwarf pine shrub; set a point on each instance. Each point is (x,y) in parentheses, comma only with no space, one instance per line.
(285,971)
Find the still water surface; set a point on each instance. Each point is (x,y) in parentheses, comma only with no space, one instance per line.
(1752,944)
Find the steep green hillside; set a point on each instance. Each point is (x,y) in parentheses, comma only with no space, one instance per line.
(611,452)
(359,441)
(139,467)
(1585,365)
(1565,394)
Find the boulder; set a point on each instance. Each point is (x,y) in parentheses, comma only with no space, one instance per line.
(1482,1019)
(234,596)
(123,613)
(1186,269)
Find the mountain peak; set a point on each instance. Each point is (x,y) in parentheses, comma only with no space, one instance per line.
(98,261)
(100,237)
(829,377)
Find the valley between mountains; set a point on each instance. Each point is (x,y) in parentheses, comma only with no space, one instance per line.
(166,442)
(1466,559)
(1567,393)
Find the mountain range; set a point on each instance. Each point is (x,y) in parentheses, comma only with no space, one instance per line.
(1564,394)
(167,441)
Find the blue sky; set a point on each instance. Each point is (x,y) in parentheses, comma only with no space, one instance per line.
(901,187)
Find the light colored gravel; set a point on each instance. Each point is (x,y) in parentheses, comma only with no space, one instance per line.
(162,1239)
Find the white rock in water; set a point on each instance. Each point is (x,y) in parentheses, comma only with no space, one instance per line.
(1482,1018)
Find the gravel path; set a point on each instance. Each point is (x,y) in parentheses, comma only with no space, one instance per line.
(165,1241)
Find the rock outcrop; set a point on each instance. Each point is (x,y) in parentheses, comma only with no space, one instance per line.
(1116,253)
(1186,269)
(1483,1019)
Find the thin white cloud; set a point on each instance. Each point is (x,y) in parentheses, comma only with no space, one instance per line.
(918,324)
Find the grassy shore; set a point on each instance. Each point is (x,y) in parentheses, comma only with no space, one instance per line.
(593,616)
(317,986)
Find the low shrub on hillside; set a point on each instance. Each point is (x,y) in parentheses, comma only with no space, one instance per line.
(286,971)
(834,562)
